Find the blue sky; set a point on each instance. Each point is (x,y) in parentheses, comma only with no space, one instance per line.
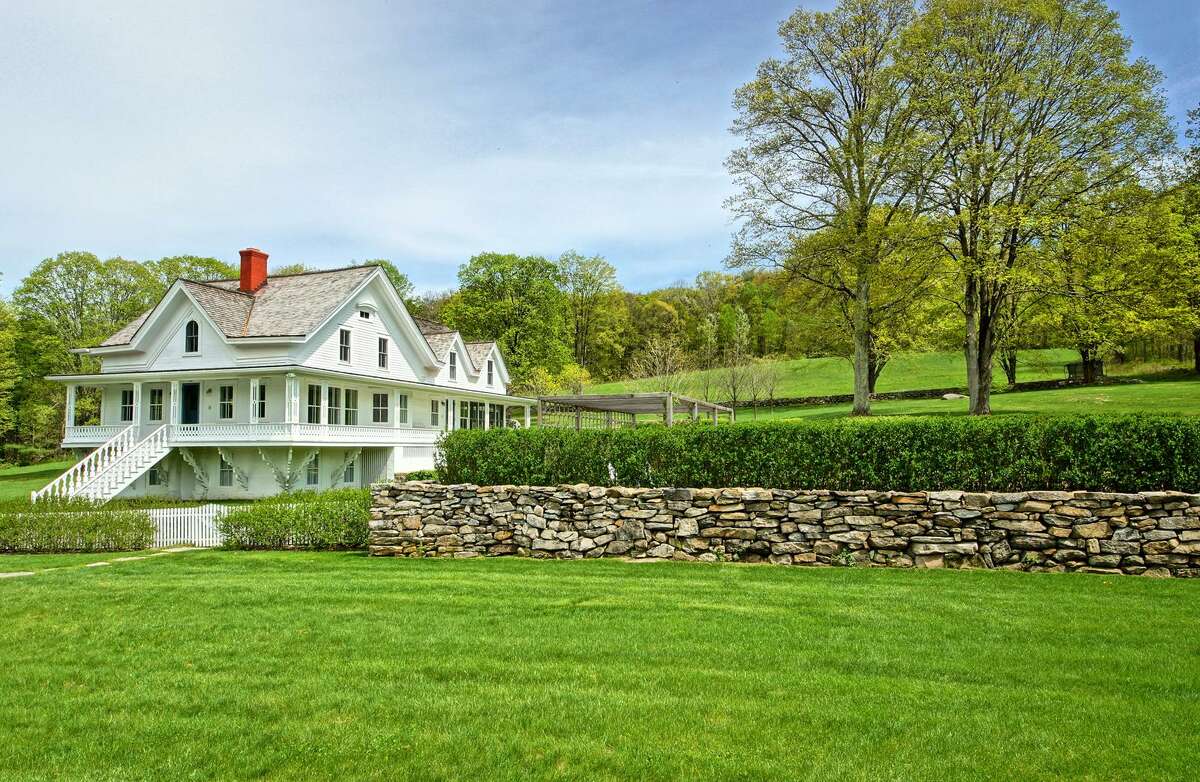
(327,133)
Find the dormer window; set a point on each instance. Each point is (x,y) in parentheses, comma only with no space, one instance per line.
(191,337)
(453,365)
(491,367)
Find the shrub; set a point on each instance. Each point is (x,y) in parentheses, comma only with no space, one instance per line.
(328,520)
(25,455)
(1012,453)
(422,475)
(75,525)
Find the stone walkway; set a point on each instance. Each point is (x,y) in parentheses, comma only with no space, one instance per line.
(163,553)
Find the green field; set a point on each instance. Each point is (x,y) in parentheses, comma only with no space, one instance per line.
(1154,396)
(220,665)
(18,482)
(829,376)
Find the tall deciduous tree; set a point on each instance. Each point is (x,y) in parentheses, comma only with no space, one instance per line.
(8,370)
(516,301)
(400,281)
(1032,105)
(832,144)
(593,300)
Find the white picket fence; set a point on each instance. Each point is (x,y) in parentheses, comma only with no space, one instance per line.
(195,525)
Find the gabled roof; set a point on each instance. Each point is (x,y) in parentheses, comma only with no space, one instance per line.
(291,305)
(479,352)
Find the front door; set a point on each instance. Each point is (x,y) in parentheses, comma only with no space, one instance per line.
(189,403)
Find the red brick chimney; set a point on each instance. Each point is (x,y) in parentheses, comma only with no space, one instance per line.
(254,269)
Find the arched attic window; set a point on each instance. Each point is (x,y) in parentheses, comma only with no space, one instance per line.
(191,337)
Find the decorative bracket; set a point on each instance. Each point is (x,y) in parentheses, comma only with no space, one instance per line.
(201,476)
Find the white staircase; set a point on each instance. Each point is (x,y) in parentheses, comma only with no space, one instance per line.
(105,472)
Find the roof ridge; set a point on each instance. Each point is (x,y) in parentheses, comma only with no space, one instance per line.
(302,274)
(209,284)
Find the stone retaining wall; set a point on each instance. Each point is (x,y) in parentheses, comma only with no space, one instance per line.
(1152,533)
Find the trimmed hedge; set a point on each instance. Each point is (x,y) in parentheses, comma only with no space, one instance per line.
(304,520)
(61,526)
(1125,453)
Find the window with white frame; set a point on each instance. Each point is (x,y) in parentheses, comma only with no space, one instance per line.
(401,408)
(351,397)
(383,353)
(314,404)
(344,346)
(348,475)
(312,476)
(490,371)
(379,408)
(364,314)
(226,405)
(453,365)
(260,404)
(191,337)
(225,476)
(156,404)
(333,410)
(435,409)
(126,404)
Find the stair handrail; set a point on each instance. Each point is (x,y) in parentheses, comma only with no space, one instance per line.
(86,469)
(159,433)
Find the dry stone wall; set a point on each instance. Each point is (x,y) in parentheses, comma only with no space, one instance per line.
(1152,533)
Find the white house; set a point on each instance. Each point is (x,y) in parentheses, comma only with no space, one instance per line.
(245,388)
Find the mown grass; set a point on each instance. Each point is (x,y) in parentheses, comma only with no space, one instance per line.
(906,372)
(219,665)
(18,482)
(1153,396)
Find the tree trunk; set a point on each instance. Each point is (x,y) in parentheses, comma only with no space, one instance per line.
(862,346)
(971,343)
(1008,359)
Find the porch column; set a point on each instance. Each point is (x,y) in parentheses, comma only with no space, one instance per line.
(174,416)
(528,419)
(291,399)
(487,415)
(72,390)
(394,401)
(137,405)
(323,414)
(253,417)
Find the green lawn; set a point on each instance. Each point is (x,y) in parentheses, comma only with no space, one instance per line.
(829,376)
(1157,396)
(219,665)
(18,482)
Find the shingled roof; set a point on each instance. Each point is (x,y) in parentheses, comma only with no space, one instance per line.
(290,305)
(479,352)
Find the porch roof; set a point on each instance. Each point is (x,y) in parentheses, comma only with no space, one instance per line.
(161,375)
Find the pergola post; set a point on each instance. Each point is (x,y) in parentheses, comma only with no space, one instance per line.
(541,414)
(695,412)
(669,411)
(528,423)
(715,417)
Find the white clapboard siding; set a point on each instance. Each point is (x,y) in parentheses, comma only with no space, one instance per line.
(195,525)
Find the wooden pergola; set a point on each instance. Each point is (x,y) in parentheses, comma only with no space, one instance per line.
(608,411)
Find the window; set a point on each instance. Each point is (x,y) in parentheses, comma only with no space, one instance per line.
(312,476)
(226,406)
(453,365)
(154,477)
(490,369)
(156,406)
(314,404)
(464,416)
(127,404)
(351,407)
(260,404)
(226,473)
(379,409)
(496,416)
(383,352)
(334,407)
(364,314)
(402,408)
(434,412)
(344,346)
(348,475)
(477,412)
(191,337)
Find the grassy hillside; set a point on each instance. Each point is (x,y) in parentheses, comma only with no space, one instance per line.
(829,376)
(17,482)
(1156,396)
